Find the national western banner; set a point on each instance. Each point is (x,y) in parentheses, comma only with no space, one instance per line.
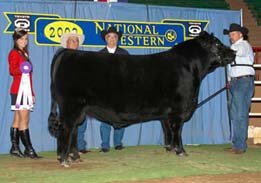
(134,34)
(48,30)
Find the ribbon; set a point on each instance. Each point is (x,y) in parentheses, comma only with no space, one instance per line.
(25,87)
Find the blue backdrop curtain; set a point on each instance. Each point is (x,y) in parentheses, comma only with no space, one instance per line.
(209,124)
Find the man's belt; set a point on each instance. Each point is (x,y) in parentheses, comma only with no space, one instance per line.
(245,65)
(239,77)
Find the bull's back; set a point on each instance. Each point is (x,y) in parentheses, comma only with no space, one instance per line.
(113,73)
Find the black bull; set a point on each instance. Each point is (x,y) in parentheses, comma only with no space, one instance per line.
(126,89)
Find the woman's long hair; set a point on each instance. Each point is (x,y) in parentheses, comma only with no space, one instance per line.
(17,35)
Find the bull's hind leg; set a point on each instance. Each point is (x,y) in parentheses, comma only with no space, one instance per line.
(71,114)
(74,155)
(59,147)
(65,139)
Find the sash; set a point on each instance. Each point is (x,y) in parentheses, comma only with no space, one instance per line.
(25,90)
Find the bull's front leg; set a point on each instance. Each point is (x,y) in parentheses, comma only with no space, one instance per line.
(177,138)
(168,134)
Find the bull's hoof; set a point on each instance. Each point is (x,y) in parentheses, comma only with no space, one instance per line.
(181,154)
(75,159)
(65,164)
(169,148)
(79,160)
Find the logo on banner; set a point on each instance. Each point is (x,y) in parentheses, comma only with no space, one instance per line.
(23,20)
(48,29)
(192,27)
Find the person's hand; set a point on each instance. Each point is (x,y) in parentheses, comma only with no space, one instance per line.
(227,85)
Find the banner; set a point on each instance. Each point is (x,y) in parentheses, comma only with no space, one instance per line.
(48,29)
(134,34)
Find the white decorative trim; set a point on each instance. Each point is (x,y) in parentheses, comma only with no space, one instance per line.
(257,82)
(257,65)
(254,114)
(256,99)
(22,107)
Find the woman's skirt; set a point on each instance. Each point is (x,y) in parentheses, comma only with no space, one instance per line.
(20,106)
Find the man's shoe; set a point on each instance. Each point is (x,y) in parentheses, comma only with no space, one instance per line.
(234,151)
(104,150)
(83,151)
(120,147)
(237,151)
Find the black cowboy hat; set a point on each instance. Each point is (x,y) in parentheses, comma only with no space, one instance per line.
(111,30)
(236,27)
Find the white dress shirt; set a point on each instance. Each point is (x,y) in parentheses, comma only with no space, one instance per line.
(244,55)
(111,50)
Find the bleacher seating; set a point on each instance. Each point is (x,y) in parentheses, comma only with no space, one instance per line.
(255,8)
(214,4)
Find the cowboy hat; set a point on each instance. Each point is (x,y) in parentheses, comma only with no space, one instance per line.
(111,30)
(236,27)
(65,37)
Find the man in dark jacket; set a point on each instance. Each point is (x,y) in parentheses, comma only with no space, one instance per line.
(111,37)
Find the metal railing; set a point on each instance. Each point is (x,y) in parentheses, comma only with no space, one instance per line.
(257,67)
(257,64)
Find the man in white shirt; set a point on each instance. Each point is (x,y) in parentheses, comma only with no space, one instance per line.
(73,40)
(241,86)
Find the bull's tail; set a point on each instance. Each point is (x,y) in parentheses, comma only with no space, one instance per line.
(53,119)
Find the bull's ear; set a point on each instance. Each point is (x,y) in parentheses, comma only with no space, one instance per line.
(212,34)
(203,33)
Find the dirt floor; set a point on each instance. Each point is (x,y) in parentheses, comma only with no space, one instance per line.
(227,178)
(50,164)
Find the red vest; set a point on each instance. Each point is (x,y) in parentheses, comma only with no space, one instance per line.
(15,59)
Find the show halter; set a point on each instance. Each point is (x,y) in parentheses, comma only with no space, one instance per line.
(25,87)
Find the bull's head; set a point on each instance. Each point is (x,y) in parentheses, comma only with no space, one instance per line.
(218,53)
